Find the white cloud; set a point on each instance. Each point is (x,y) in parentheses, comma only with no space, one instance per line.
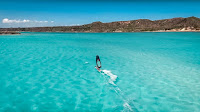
(6,20)
(40,21)
(74,25)
(14,21)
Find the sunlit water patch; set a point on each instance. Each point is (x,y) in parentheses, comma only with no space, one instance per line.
(140,72)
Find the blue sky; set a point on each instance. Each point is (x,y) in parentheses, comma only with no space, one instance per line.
(24,13)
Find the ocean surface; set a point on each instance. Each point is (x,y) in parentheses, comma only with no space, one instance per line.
(141,72)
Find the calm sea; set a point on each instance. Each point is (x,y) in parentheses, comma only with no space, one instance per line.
(55,72)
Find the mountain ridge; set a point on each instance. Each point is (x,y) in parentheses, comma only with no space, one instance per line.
(139,25)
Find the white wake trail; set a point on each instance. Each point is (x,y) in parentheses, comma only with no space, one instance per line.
(112,78)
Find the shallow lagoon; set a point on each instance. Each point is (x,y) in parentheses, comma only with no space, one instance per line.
(56,72)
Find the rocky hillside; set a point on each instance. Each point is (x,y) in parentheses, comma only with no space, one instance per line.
(174,24)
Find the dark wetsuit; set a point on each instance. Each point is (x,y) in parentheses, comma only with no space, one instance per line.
(98,59)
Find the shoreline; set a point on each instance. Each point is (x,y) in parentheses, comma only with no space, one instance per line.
(158,31)
(173,31)
(112,32)
(9,33)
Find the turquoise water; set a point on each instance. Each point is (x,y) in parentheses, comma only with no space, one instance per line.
(141,72)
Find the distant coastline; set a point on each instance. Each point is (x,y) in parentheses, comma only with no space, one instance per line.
(9,33)
(176,30)
(190,24)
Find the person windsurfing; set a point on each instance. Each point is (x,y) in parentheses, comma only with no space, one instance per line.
(98,63)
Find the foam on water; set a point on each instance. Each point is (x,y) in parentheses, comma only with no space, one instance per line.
(112,76)
(126,105)
(119,92)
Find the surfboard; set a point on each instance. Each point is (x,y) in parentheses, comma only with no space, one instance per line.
(98,69)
